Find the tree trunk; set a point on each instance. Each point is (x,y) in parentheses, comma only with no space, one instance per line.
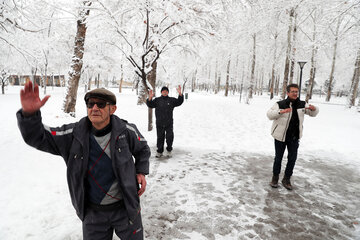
(216,73)
(355,81)
(45,80)
(3,80)
(313,67)
(227,78)
(277,85)
(33,73)
(98,81)
(331,77)
(218,82)
(121,78)
(89,83)
(151,77)
(193,82)
(76,63)
(142,93)
(209,73)
(262,83)
(272,82)
(287,60)
(256,84)
(242,83)
(292,67)
(252,79)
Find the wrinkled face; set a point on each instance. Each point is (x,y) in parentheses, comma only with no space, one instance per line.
(293,94)
(164,93)
(99,112)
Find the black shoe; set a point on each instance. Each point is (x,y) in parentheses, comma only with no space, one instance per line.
(274,181)
(286,183)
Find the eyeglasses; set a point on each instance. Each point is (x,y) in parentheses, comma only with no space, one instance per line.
(98,104)
(294,91)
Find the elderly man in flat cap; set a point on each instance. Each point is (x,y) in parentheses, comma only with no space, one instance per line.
(107,159)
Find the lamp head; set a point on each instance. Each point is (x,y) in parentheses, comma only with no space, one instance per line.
(301,63)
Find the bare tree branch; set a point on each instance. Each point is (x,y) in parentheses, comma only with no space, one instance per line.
(18,50)
(117,24)
(146,40)
(169,27)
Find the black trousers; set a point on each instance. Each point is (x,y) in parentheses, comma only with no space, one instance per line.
(162,133)
(292,147)
(100,225)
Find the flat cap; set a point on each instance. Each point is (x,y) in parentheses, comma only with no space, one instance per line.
(101,93)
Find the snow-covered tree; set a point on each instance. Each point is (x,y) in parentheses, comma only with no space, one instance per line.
(77,59)
(355,81)
(344,20)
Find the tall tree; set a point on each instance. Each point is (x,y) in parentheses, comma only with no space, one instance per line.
(227,77)
(355,81)
(252,78)
(314,17)
(77,60)
(288,53)
(293,52)
(162,25)
(346,18)
(272,81)
(331,77)
(4,80)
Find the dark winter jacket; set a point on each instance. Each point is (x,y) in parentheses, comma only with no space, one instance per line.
(281,122)
(71,141)
(164,107)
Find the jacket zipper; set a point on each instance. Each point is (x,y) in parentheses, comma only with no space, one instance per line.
(287,123)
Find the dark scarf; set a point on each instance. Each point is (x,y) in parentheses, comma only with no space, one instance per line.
(292,132)
(101,132)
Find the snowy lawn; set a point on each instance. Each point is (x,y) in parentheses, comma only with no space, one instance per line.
(216,184)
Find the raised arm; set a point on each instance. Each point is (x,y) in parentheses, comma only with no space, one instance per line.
(32,129)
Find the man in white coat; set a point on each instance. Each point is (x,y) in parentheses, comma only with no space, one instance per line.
(287,127)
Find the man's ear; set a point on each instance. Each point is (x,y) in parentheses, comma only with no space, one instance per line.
(112,109)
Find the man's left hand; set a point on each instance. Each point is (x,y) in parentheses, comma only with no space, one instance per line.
(142,181)
(179,90)
(311,107)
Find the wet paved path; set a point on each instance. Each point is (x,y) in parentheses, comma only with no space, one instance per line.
(227,196)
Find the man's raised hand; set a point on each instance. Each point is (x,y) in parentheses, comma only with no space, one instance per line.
(30,100)
(179,90)
(151,94)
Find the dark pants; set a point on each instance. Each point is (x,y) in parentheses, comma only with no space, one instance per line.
(100,225)
(162,133)
(292,146)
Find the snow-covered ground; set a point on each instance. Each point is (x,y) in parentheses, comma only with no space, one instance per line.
(216,184)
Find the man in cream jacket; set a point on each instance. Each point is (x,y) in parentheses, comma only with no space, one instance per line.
(287,127)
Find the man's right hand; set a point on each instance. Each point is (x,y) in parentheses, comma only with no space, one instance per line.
(151,94)
(286,110)
(30,101)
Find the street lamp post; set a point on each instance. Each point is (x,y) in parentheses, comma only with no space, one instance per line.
(301,63)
